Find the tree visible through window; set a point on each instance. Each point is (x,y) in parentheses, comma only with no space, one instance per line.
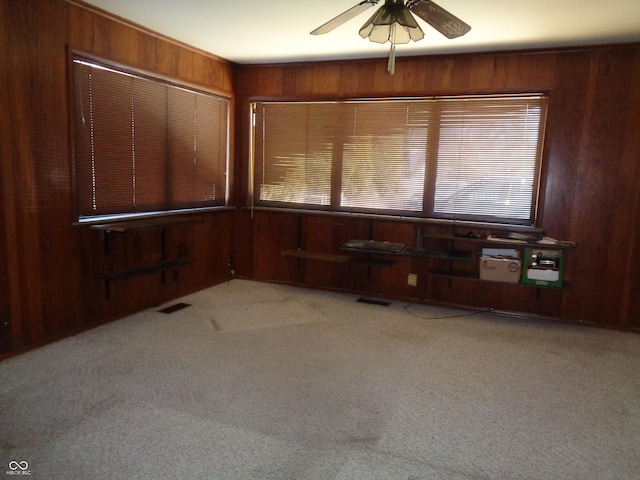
(470,158)
(143,145)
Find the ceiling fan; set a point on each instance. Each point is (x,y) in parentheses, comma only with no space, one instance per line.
(394,22)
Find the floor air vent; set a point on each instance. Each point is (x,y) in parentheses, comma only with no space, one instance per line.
(371,301)
(174,307)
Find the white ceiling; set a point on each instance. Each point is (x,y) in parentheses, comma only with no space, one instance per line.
(273,31)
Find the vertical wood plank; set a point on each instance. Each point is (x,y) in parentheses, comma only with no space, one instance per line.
(481,73)
(625,242)
(438,75)
(304,80)
(5,199)
(147,58)
(20,191)
(410,76)
(542,70)
(599,158)
(186,66)
(326,80)
(357,78)
(317,236)
(273,233)
(81,28)
(461,76)
(115,41)
(567,107)
(168,59)
(518,72)
(268,81)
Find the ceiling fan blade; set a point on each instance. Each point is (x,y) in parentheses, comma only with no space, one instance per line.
(446,23)
(344,17)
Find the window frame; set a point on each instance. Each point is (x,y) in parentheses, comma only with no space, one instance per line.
(226,101)
(427,213)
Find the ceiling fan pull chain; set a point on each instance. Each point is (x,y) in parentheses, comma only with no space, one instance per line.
(391,66)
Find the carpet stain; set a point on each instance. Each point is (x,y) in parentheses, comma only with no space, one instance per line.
(216,326)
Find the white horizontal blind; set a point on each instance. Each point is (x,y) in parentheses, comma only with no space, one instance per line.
(472,158)
(367,156)
(197,140)
(384,157)
(293,165)
(488,157)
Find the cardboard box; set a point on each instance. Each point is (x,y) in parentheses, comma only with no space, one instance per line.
(500,269)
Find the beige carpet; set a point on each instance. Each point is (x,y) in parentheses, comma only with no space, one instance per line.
(261,381)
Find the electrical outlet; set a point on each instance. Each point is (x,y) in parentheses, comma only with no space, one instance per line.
(412,280)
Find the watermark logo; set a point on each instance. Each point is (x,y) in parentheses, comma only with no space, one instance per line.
(18,468)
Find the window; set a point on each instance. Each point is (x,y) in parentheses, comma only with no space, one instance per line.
(459,158)
(144,145)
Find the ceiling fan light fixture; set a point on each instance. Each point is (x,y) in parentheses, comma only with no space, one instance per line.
(392,22)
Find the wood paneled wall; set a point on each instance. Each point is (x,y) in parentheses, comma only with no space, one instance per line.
(47,265)
(590,192)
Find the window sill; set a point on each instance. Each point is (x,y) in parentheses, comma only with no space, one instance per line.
(162,217)
(398,218)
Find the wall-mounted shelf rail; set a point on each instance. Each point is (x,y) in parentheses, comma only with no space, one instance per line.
(332,257)
(150,269)
(505,242)
(164,264)
(521,246)
(524,251)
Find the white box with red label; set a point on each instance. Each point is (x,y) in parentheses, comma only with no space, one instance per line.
(500,266)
